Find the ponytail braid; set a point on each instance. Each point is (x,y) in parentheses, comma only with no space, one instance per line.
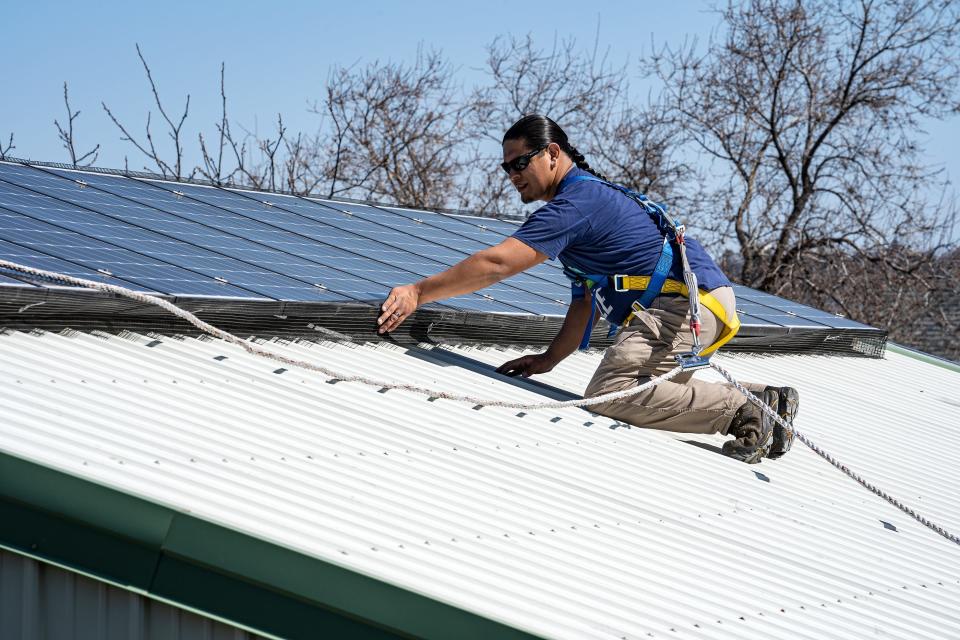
(539,131)
(581,162)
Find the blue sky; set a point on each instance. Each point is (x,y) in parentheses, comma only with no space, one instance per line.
(278,56)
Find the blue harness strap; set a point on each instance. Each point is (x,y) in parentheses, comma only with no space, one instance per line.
(588,283)
(657,278)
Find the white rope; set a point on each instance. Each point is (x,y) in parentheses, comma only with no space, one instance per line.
(256,349)
(836,463)
(259,350)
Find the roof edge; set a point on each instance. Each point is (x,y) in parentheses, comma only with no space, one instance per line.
(209,568)
(923,357)
(60,309)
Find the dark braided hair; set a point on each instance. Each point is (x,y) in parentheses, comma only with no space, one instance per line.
(539,131)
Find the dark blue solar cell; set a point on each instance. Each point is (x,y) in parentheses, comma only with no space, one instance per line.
(417,258)
(422,225)
(42,260)
(793,313)
(489,230)
(478,303)
(748,320)
(93,256)
(298,217)
(257,280)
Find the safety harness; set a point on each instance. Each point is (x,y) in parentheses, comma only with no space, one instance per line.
(657,283)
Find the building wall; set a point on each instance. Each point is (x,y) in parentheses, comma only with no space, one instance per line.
(39,601)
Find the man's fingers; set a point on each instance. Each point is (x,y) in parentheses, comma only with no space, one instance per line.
(391,318)
(513,368)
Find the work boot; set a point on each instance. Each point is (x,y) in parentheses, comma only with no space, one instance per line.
(752,431)
(788,402)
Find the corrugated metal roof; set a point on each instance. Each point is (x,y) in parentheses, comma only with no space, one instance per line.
(560,523)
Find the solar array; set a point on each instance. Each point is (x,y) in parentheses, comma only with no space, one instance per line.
(193,240)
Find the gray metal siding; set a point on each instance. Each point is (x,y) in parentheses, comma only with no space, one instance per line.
(39,601)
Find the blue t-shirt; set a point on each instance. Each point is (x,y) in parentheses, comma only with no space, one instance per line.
(595,229)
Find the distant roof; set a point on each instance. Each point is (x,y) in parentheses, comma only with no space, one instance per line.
(191,470)
(265,261)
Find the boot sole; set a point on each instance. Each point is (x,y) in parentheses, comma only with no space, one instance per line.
(763,449)
(756,455)
(787,409)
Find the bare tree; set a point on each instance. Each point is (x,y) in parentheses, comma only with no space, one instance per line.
(638,145)
(571,86)
(911,292)
(212,168)
(148,148)
(810,113)
(560,82)
(66,135)
(5,149)
(590,98)
(395,131)
(303,164)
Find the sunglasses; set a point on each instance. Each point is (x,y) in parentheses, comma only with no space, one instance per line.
(520,163)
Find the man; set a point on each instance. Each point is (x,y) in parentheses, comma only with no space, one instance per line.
(594,228)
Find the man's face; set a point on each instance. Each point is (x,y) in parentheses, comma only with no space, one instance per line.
(533,181)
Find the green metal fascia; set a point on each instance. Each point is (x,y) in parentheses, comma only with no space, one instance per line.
(207,567)
(923,357)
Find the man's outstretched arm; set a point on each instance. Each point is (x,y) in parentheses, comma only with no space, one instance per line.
(480,270)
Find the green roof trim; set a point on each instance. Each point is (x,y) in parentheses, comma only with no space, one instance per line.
(210,568)
(923,357)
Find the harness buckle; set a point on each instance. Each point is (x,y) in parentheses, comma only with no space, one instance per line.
(618,285)
(692,361)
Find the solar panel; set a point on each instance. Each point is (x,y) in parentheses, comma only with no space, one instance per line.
(272,247)
(461,239)
(45,246)
(382,266)
(183,238)
(207,254)
(386,250)
(788,313)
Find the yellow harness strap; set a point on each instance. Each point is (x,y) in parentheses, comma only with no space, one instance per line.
(730,325)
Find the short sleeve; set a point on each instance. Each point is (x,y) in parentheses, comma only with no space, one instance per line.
(553,227)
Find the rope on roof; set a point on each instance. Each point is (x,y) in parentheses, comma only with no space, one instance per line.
(256,349)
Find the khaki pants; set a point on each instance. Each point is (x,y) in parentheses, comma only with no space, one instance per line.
(645,349)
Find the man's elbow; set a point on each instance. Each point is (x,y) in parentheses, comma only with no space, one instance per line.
(499,268)
(508,258)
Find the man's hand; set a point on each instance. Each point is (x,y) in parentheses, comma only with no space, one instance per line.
(526,366)
(398,306)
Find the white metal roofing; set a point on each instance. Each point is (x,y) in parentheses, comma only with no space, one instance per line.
(561,523)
